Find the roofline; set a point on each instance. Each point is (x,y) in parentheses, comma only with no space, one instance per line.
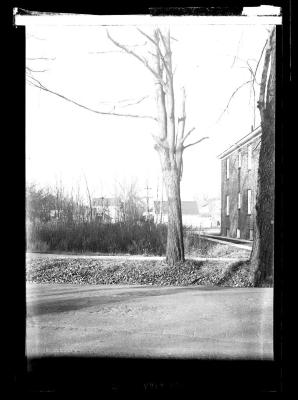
(250,136)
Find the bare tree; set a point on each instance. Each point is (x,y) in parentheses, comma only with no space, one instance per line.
(262,252)
(170,135)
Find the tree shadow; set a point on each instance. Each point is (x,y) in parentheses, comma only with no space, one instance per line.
(233,268)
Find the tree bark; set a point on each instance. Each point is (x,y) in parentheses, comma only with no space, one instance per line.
(263,246)
(175,245)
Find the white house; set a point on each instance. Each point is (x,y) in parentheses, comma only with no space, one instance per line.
(190,213)
(209,212)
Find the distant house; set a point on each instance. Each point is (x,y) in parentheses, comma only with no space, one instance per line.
(190,213)
(107,209)
(239,173)
(209,213)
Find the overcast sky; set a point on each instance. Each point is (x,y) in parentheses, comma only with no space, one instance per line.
(64,141)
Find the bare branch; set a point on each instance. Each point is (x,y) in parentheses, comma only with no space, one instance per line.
(253,80)
(164,61)
(237,51)
(147,36)
(39,85)
(263,89)
(135,102)
(35,70)
(117,51)
(127,50)
(116,104)
(261,56)
(163,40)
(252,73)
(156,44)
(181,120)
(233,94)
(152,54)
(198,141)
(254,92)
(188,133)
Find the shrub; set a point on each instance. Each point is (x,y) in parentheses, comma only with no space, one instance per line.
(133,238)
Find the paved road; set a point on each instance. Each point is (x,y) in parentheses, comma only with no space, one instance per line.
(147,321)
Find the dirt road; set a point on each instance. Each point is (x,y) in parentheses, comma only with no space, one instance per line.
(148,321)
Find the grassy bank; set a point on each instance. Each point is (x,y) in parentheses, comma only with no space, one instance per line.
(149,272)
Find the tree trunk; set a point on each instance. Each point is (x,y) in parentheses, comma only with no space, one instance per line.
(263,246)
(175,246)
(171,177)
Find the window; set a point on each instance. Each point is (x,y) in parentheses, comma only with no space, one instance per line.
(228,205)
(251,234)
(249,201)
(239,201)
(228,168)
(239,160)
(238,233)
(227,232)
(249,157)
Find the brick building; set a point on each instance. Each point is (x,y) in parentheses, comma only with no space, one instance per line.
(239,173)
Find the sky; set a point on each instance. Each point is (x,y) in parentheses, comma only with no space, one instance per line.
(65,142)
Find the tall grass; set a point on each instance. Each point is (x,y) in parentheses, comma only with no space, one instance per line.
(132,238)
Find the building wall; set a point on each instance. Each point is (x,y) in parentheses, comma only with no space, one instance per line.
(240,180)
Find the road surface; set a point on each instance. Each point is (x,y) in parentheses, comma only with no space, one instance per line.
(128,257)
(149,321)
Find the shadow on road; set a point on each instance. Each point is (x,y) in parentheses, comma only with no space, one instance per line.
(46,305)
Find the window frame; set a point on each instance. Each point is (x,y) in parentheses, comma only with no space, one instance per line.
(227,205)
(251,234)
(239,159)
